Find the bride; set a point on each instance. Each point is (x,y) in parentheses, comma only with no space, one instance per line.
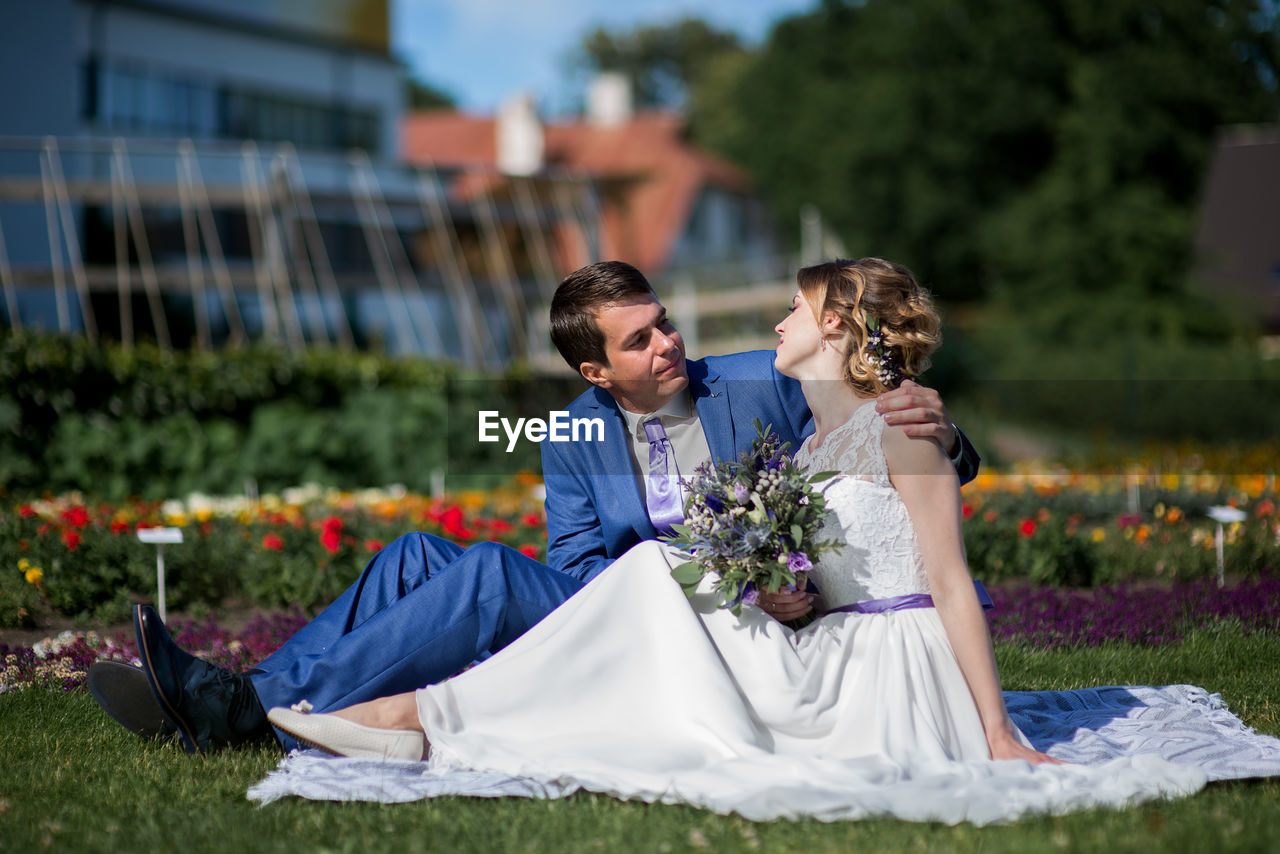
(888,703)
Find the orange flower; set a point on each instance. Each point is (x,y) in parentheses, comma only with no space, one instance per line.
(989,516)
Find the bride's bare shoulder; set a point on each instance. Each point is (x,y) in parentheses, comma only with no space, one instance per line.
(904,454)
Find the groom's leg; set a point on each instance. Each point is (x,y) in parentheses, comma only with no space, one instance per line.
(396,570)
(487,597)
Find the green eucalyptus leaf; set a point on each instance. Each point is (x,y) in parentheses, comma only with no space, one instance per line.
(689,572)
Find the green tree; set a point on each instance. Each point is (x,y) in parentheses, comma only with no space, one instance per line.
(421,95)
(1104,231)
(662,61)
(985,141)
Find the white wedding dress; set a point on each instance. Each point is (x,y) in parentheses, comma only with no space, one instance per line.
(631,690)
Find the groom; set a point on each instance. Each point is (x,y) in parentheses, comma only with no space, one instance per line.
(425,608)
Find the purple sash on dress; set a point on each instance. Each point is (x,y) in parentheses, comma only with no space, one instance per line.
(906,602)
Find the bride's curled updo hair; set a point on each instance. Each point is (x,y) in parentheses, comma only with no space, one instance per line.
(873,287)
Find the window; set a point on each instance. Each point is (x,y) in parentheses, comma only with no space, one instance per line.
(128,96)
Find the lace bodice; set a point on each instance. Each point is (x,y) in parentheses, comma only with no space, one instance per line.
(880,556)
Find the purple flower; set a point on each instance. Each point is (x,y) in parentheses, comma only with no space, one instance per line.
(741,493)
(714,504)
(799,562)
(749,594)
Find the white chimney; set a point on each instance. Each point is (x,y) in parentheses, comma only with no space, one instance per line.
(609,100)
(520,141)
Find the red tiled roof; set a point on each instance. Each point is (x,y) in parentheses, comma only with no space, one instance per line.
(644,218)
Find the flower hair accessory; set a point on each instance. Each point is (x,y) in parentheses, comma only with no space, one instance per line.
(880,357)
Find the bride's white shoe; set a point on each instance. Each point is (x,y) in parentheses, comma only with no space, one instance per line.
(344,737)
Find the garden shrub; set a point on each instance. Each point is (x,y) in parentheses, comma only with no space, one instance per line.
(116,422)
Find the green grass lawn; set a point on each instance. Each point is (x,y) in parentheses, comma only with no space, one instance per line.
(71,780)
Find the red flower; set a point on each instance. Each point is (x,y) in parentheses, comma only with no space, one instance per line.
(1265,508)
(500,526)
(451,518)
(373,545)
(529,551)
(118,527)
(533,520)
(71,539)
(26,511)
(76,517)
(331,533)
(966,510)
(272,542)
(331,540)
(1027,527)
(989,516)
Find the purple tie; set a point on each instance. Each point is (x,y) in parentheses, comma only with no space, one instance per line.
(662,486)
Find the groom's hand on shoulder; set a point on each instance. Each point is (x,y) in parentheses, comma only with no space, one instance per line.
(919,410)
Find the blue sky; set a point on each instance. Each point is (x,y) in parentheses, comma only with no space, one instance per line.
(482,51)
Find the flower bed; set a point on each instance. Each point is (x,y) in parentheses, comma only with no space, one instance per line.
(1138,613)
(1068,529)
(63,661)
(301,549)
(1041,618)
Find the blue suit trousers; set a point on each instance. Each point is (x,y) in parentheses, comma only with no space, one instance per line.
(423,609)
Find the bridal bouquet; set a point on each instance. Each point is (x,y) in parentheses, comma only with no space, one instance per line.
(753,523)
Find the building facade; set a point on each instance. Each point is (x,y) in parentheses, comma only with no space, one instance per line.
(204,172)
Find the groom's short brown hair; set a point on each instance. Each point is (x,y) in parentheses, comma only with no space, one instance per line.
(579,297)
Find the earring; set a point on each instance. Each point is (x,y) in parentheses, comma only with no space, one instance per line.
(822,345)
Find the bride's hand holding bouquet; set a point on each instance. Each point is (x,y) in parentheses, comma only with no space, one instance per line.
(753,524)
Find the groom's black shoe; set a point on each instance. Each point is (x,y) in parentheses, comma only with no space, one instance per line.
(122,691)
(209,706)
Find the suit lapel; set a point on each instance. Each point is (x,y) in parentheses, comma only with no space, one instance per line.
(615,459)
(710,394)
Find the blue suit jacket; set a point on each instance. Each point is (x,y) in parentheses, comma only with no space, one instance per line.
(595,511)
